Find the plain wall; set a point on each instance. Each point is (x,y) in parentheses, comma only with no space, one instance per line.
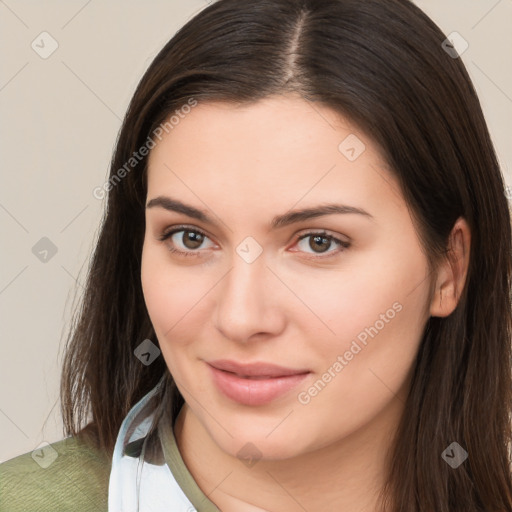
(60,117)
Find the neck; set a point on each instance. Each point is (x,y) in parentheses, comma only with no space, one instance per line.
(346,475)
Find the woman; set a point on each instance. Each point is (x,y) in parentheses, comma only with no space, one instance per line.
(300,295)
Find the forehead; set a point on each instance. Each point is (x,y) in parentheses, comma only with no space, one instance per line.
(284,125)
(280,147)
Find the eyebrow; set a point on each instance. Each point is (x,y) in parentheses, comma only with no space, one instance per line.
(279,221)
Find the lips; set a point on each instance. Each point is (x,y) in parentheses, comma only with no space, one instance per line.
(256,383)
(258,370)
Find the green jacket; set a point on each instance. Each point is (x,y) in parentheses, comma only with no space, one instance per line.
(70,475)
(77,480)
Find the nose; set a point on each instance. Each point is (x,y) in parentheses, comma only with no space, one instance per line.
(249,302)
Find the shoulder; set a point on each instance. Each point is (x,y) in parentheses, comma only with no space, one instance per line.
(66,475)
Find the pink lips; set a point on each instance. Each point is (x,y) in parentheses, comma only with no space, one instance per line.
(255,383)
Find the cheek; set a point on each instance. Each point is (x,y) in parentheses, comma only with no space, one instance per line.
(378,314)
(169,300)
(165,291)
(370,289)
(175,296)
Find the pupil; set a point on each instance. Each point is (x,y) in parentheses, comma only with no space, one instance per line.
(195,239)
(320,239)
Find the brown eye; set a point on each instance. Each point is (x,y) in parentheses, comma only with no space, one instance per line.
(320,243)
(192,239)
(185,241)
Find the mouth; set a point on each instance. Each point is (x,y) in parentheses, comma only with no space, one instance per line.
(253,377)
(256,369)
(255,385)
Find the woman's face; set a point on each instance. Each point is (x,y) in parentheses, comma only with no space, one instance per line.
(340,296)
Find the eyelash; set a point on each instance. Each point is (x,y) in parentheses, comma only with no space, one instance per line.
(166,235)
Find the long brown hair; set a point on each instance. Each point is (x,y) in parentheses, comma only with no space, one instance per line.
(381,63)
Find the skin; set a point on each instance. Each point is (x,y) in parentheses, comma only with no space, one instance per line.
(243,165)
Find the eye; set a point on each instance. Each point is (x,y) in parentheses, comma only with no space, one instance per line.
(320,242)
(187,239)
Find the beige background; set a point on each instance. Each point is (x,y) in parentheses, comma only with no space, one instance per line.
(59,121)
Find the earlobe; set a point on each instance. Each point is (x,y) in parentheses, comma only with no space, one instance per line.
(452,272)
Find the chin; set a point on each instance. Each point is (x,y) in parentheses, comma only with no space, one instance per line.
(252,443)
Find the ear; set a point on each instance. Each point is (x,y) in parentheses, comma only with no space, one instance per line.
(452,272)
